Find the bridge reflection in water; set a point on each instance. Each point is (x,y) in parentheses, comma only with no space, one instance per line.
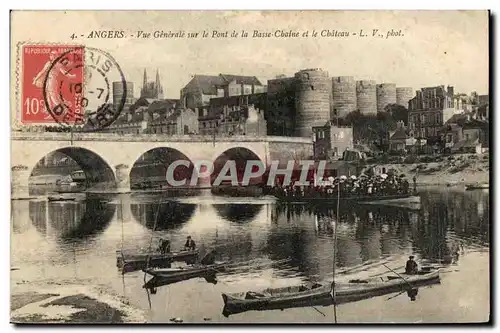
(69,222)
(247,231)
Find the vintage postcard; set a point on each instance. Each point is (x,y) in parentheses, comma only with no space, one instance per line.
(250,167)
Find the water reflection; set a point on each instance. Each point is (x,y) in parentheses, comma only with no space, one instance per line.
(71,221)
(41,232)
(238,213)
(163,216)
(275,231)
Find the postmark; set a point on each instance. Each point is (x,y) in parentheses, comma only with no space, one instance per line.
(72,86)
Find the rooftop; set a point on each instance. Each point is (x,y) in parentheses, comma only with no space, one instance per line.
(240,79)
(208,84)
(400,134)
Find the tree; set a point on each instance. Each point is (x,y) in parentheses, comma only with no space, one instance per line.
(373,129)
(353,117)
(398,112)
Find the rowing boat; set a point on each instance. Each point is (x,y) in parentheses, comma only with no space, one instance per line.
(332,198)
(478,186)
(159,281)
(172,275)
(414,199)
(320,293)
(136,261)
(60,199)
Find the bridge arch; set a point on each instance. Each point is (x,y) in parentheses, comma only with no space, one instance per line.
(241,155)
(96,169)
(152,165)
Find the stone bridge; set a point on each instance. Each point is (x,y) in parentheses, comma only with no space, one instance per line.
(107,159)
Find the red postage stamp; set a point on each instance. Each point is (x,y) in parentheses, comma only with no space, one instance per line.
(44,69)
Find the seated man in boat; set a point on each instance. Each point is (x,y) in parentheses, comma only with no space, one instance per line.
(411,266)
(164,246)
(190,244)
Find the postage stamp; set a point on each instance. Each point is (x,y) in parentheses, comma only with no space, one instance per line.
(37,60)
(69,86)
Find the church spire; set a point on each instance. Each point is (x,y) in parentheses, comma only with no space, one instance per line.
(158,84)
(145,79)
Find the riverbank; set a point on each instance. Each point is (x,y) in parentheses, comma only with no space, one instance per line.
(70,302)
(456,170)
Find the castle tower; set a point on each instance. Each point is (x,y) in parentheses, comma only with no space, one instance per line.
(313,89)
(366,96)
(344,95)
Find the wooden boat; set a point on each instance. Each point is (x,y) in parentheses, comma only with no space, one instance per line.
(410,203)
(70,190)
(320,293)
(160,281)
(478,186)
(413,199)
(51,198)
(172,275)
(130,262)
(332,198)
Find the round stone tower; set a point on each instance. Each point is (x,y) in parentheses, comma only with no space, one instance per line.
(312,100)
(344,95)
(366,96)
(403,95)
(386,94)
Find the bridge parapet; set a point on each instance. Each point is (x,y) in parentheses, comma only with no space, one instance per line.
(78,136)
(107,158)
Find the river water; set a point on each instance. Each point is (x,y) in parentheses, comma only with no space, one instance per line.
(66,241)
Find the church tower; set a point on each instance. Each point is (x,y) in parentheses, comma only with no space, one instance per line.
(153,89)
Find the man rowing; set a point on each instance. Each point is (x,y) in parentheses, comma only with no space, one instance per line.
(164,246)
(411,266)
(190,244)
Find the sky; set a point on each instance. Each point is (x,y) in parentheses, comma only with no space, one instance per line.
(437,47)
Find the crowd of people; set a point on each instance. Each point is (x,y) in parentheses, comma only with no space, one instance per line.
(364,185)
